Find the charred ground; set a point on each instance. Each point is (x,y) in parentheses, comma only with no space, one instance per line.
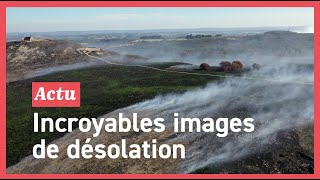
(106,88)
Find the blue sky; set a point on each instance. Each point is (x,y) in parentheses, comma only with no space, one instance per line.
(101,18)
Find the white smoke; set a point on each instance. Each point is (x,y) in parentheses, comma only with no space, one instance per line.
(284,103)
(304,29)
(279,97)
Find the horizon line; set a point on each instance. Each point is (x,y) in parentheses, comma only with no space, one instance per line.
(243,27)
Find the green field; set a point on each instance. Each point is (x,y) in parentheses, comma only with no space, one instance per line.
(103,89)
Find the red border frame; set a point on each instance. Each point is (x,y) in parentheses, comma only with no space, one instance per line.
(4,5)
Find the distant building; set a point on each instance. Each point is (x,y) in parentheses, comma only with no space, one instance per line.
(27,38)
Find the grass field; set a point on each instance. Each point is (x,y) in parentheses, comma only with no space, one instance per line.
(103,89)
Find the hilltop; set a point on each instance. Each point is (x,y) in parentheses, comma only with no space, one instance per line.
(29,58)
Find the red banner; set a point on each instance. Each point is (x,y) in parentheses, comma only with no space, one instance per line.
(55,94)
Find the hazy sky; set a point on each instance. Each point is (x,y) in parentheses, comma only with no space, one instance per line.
(81,19)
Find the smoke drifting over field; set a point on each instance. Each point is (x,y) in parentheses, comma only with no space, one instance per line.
(276,46)
(278,96)
(280,105)
(304,29)
(274,106)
